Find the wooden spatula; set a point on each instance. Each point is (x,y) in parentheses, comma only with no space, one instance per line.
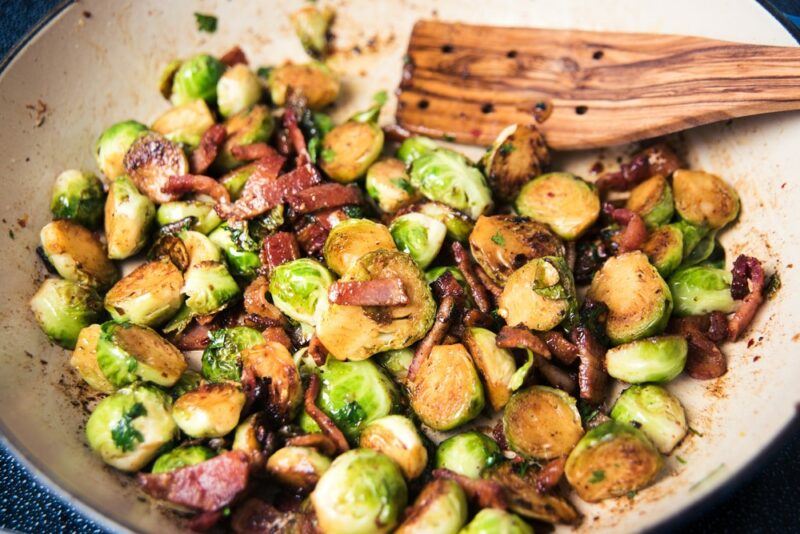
(587,89)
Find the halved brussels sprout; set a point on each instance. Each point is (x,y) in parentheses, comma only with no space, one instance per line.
(414,147)
(167,76)
(642,308)
(496,365)
(84,360)
(185,123)
(245,439)
(468,453)
(299,468)
(655,411)
(199,247)
(151,161)
(210,411)
(222,357)
(446,391)
(692,235)
(149,295)
(315,80)
(171,248)
(540,295)
(182,457)
(113,144)
(356,332)
(272,361)
(178,210)
(440,508)
(244,128)
(130,427)
(353,394)
(208,287)
(495,520)
(241,252)
(128,352)
(562,201)
(501,244)
(353,238)
(700,290)
(702,251)
(664,249)
(299,289)
(350,149)
(517,156)
(128,217)
(448,177)
(419,236)
(653,359)
(77,254)
(704,199)
(524,499)
(234,180)
(238,90)
(311,26)
(63,308)
(396,363)
(387,183)
(458,224)
(611,460)
(189,381)
(652,200)
(78,196)
(398,438)
(363,492)
(196,78)
(542,422)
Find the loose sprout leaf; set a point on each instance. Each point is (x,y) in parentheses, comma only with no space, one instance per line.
(518,378)
(124,434)
(206,23)
(773,286)
(381,97)
(313,147)
(328,155)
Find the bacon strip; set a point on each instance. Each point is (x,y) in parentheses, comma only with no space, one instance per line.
(555,376)
(256,303)
(206,152)
(318,440)
(208,486)
(234,56)
(197,183)
(560,346)
(475,287)
(484,493)
(279,248)
(379,292)
(325,423)
(278,335)
(592,376)
(704,361)
(447,286)
(194,337)
(488,283)
(629,174)
(661,159)
(635,233)
(312,237)
(746,268)
(325,196)
(435,335)
(255,151)
(474,317)
(296,136)
(550,474)
(255,516)
(511,337)
(317,351)
(717,326)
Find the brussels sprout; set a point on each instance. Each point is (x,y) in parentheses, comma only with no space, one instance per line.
(704,199)
(210,411)
(199,248)
(542,422)
(272,361)
(702,251)
(130,427)
(458,224)
(170,248)
(387,183)
(540,295)
(446,391)
(468,454)
(182,457)
(186,123)
(496,365)
(79,197)
(245,439)
(196,78)
(363,492)
(203,212)
(350,149)
(315,80)
(63,308)
(111,146)
(398,438)
(237,90)
(189,381)
(562,201)
(655,411)
(222,357)
(234,180)
(128,352)
(396,363)
(149,295)
(448,177)
(700,290)
(353,394)
(84,360)
(419,236)
(299,289)
(519,486)
(414,147)
(517,156)
(241,252)
(692,235)
(128,216)
(643,308)
(664,249)
(311,26)
(299,468)
(151,161)
(244,128)
(611,460)
(353,238)
(495,521)
(440,508)
(167,76)
(652,200)
(77,254)
(356,332)
(208,287)
(653,359)
(501,244)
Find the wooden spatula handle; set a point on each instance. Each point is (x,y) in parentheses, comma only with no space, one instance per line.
(469,82)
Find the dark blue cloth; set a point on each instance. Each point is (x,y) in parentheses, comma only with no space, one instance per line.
(769,502)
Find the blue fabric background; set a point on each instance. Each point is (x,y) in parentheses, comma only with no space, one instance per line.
(768,502)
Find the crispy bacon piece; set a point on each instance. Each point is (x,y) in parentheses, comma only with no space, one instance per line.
(560,346)
(207,486)
(484,493)
(548,477)
(317,351)
(477,289)
(635,233)
(488,283)
(194,337)
(278,335)
(555,376)
(378,292)
(717,326)
(629,174)
(499,435)
(447,286)
(592,376)
(661,159)
(206,152)
(704,361)
(441,324)
(516,337)
(312,237)
(279,248)
(295,134)
(234,56)
(204,521)
(256,303)
(325,196)
(255,516)
(318,440)
(325,423)
(197,183)
(474,317)
(255,151)
(746,268)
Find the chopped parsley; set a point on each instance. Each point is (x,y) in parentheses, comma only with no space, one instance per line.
(681,460)
(206,23)
(695,432)
(597,476)
(125,436)
(313,147)
(449,138)
(631,494)
(263,72)
(352,414)
(506,149)
(499,239)
(773,285)
(380,97)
